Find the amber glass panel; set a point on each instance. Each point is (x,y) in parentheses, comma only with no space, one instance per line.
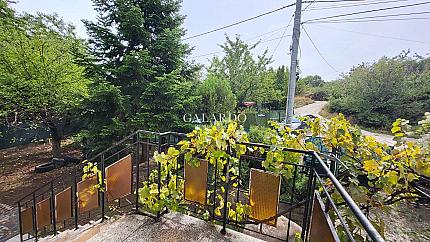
(118,178)
(63,204)
(88,197)
(196,178)
(43,213)
(264,188)
(322,229)
(27,220)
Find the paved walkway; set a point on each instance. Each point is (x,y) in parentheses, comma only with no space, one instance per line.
(316,107)
(8,221)
(137,228)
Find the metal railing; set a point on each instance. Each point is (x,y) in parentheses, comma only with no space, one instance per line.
(295,203)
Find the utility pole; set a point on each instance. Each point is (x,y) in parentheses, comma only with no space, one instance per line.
(293,65)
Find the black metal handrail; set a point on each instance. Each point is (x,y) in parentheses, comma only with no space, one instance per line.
(367,225)
(162,143)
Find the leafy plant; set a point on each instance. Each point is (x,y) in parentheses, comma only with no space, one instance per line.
(378,176)
(91,170)
(216,144)
(40,81)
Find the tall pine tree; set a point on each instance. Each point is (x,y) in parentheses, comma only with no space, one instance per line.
(135,46)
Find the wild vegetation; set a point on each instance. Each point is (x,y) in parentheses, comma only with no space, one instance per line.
(375,176)
(132,73)
(376,94)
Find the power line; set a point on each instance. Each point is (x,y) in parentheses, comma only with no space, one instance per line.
(208,54)
(375,35)
(371,17)
(221,51)
(239,22)
(367,11)
(334,1)
(264,14)
(316,48)
(308,6)
(354,5)
(368,2)
(266,33)
(372,20)
(283,35)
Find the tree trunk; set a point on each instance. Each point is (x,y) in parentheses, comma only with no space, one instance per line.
(56,148)
(57,136)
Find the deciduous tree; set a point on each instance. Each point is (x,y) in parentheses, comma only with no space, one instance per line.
(40,83)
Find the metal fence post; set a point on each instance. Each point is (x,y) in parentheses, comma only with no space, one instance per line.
(20,221)
(137,172)
(293,190)
(75,195)
(34,216)
(102,190)
(309,197)
(159,174)
(54,219)
(226,174)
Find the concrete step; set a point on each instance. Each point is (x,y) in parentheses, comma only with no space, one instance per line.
(136,228)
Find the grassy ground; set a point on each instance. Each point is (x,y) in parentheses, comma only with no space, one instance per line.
(325,112)
(301,101)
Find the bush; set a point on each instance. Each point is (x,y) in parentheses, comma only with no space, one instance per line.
(375,94)
(257,134)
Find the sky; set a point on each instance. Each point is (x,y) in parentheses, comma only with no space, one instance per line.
(342,45)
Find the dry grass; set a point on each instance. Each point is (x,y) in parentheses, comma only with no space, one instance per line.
(325,112)
(300,101)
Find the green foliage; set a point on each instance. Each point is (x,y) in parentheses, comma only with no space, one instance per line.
(249,78)
(425,124)
(40,82)
(257,134)
(217,96)
(376,94)
(281,79)
(136,53)
(210,144)
(91,170)
(169,194)
(377,176)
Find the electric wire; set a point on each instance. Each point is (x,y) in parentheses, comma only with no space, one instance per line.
(374,35)
(366,11)
(247,40)
(354,5)
(221,51)
(308,6)
(282,37)
(239,22)
(372,17)
(318,51)
(372,20)
(264,14)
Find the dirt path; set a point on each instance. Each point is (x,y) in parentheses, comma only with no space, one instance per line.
(17,170)
(316,107)
(17,178)
(313,108)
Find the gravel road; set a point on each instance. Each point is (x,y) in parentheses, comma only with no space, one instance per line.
(317,106)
